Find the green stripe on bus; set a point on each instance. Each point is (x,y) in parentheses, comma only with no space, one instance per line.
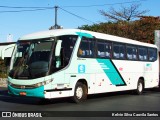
(84,34)
(111,71)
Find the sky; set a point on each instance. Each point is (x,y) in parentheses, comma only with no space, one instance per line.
(13,25)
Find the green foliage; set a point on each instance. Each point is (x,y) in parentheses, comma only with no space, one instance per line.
(141,30)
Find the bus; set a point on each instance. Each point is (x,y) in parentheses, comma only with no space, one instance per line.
(76,63)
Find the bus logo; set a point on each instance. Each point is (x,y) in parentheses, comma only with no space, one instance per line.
(81,68)
(148,67)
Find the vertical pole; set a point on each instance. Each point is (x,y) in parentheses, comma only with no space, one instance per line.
(56,25)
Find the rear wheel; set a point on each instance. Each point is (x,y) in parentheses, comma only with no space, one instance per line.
(80,93)
(140,87)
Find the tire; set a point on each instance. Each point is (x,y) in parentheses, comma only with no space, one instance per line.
(140,87)
(80,93)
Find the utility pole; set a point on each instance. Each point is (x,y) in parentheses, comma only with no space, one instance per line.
(56,26)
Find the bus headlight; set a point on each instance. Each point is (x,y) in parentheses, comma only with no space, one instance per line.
(43,83)
(9,83)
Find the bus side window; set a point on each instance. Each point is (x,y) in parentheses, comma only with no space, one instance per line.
(143,56)
(103,49)
(86,48)
(115,51)
(152,54)
(131,53)
(108,50)
(118,51)
(100,49)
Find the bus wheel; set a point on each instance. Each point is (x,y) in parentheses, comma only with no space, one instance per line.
(80,93)
(140,87)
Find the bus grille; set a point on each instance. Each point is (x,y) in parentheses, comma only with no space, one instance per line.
(23,86)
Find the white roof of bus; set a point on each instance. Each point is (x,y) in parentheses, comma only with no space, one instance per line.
(49,33)
(58,32)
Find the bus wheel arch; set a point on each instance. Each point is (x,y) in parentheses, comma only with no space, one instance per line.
(80,91)
(140,86)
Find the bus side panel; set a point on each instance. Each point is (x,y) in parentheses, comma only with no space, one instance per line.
(58,87)
(130,71)
(81,69)
(151,74)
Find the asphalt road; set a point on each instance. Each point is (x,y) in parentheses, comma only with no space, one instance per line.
(118,101)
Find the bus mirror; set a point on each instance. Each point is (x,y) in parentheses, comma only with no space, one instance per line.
(58,48)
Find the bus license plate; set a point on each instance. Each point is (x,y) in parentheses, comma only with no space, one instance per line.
(22,93)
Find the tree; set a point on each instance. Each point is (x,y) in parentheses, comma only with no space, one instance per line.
(145,27)
(141,29)
(124,13)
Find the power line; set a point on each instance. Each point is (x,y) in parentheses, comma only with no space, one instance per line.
(104,4)
(13,7)
(26,10)
(77,16)
(22,7)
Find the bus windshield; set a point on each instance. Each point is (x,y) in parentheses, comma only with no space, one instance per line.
(36,58)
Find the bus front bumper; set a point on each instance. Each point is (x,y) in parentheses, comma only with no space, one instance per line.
(36,92)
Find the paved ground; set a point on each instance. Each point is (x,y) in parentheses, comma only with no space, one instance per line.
(121,101)
(115,102)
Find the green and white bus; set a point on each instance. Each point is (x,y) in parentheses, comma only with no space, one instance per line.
(75,63)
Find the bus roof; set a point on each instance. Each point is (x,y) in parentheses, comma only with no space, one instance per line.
(59,32)
(49,33)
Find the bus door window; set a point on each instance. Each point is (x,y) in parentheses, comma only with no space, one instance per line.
(68,43)
(66,49)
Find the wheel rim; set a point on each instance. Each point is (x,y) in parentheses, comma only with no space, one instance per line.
(79,92)
(140,87)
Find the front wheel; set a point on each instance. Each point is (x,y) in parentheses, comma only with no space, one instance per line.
(80,93)
(140,87)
